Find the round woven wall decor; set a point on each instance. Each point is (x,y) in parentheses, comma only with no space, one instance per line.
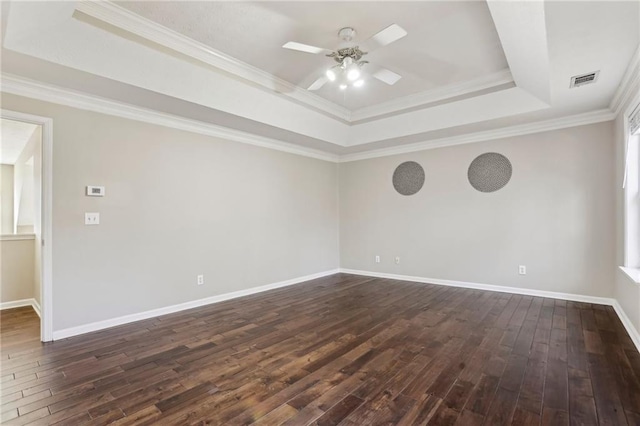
(489,172)
(408,178)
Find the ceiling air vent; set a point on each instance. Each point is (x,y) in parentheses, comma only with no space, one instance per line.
(581,80)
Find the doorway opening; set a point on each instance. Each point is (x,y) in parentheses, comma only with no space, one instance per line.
(25,229)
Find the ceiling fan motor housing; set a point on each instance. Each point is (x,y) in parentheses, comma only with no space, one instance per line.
(348,52)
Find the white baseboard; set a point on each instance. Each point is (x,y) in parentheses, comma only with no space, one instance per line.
(100,325)
(21,303)
(490,287)
(628,325)
(36,307)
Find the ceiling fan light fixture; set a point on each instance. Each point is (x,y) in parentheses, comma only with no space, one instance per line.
(353,72)
(347,73)
(331,74)
(347,62)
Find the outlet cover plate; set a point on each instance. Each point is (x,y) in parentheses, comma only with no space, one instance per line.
(92,218)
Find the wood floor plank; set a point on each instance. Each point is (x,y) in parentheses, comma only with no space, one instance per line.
(342,349)
(338,412)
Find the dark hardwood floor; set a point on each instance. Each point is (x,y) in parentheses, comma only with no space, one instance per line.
(338,350)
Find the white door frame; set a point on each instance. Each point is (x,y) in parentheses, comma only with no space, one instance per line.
(46,278)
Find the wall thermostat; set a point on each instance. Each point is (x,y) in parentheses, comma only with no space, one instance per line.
(95,191)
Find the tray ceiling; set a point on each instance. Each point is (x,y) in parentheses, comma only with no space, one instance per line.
(218,67)
(447,42)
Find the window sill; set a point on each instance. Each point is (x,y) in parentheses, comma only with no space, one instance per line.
(632,273)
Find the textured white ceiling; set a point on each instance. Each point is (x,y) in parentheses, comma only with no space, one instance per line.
(448,42)
(15,135)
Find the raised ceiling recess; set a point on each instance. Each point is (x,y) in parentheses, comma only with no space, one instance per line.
(446,42)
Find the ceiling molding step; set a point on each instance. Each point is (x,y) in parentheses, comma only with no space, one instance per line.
(16,85)
(433,95)
(522,29)
(630,79)
(126,20)
(505,132)
(44,92)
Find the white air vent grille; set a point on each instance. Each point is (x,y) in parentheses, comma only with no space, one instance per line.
(581,80)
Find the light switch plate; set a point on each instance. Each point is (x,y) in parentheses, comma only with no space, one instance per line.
(92,218)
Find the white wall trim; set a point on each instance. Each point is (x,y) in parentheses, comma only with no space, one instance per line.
(45,92)
(41,91)
(126,20)
(36,307)
(20,304)
(17,237)
(100,325)
(489,287)
(629,80)
(598,116)
(433,95)
(632,273)
(628,325)
(16,304)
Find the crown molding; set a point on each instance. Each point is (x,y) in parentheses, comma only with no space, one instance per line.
(126,20)
(36,90)
(504,132)
(434,95)
(630,80)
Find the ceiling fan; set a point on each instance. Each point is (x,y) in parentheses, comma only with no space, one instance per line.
(348,71)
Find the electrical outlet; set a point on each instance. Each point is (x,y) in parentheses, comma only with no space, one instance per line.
(92,218)
(397,260)
(377,259)
(522,270)
(200,279)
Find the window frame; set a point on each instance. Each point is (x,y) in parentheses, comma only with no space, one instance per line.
(631,191)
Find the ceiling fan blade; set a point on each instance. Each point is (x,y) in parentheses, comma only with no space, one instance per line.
(387,36)
(316,85)
(305,48)
(386,76)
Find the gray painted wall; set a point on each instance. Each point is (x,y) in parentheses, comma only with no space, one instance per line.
(177,205)
(6,199)
(556,215)
(181,204)
(17,270)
